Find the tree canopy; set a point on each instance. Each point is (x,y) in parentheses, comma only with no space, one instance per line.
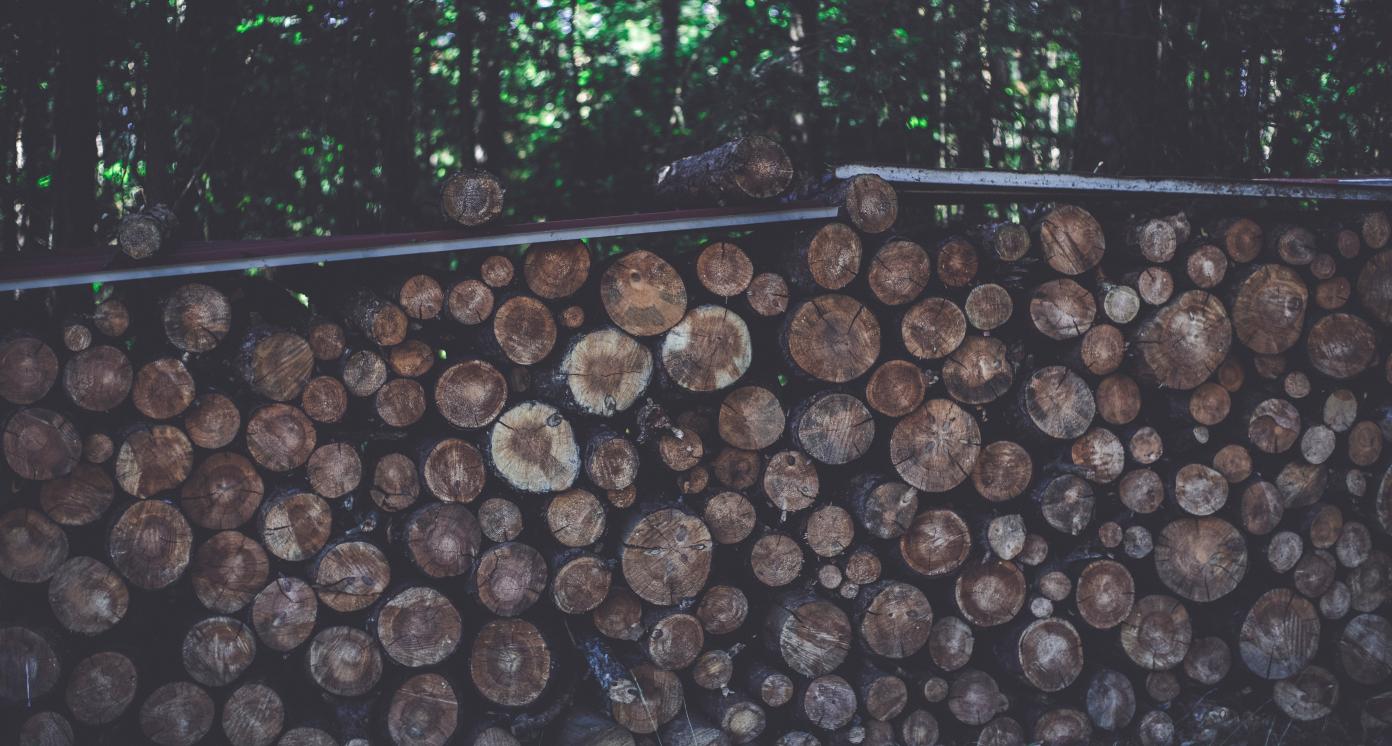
(334,116)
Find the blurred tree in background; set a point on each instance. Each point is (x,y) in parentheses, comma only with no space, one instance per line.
(333,116)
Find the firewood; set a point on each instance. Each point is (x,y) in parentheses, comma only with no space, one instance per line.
(87,597)
(150,544)
(510,578)
(750,168)
(101,687)
(350,576)
(775,559)
(899,270)
(1279,635)
(826,702)
(471,197)
(1072,239)
(177,714)
(724,268)
(936,543)
(141,235)
(643,294)
(344,661)
(284,613)
(217,650)
(832,338)
(708,350)
(827,258)
(500,519)
(418,627)
(768,294)
(227,571)
(580,584)
(957,262)
(253,715)
(658,461)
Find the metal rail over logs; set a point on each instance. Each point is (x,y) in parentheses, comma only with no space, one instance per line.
(98,264)
(966,182)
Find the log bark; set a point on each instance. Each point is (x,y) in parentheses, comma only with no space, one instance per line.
(472,197)
(750,168)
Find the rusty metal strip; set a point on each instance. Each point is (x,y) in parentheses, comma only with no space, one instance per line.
(965,182)
(97,265)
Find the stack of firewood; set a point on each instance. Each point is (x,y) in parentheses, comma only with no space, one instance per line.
(1043,481)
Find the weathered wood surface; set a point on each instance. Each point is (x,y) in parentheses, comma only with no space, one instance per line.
(854,482)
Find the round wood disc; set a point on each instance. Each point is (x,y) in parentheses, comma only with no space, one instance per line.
(667,557)
(643,294)
(833,338)
(935,447)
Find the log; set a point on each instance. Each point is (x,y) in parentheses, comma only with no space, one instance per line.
(833,428)
(708,350)
(41,444)
(532,447)
(899,271)
(364,372)
(227,571)
(1111,700)
(177,714)
(751,418)
(1071,239)
(826,702)
(350,576)
(936,544)
(957,262)
(1201,559)
(749,168)
(768,294)
(935,448)
(472,197)
(280,437)
(142,234)
(1183,344)
(395,482)
(524,329)
(894,619)
(658,701)
(775,559)
(1062,309)
(344,661)
(1050,654)
(643,294)
(828,257)
(87,597)
(867,200)
(217,650)
(196,317)
(500,519)
(1157,633)
(1341,345)
(28,369)
(1106,594)
(101,687)
(418,627)
(1280,634)
(277,364)
(284,613)
(724,269)
(831,338)
(990,593)
(510,578)
(580,584)
(150,544)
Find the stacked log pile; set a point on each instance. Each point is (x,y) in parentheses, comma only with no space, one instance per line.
(1068,479)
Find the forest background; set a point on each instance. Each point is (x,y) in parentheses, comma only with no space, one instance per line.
(258,119)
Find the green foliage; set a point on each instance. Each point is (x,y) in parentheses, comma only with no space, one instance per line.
(280,116)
